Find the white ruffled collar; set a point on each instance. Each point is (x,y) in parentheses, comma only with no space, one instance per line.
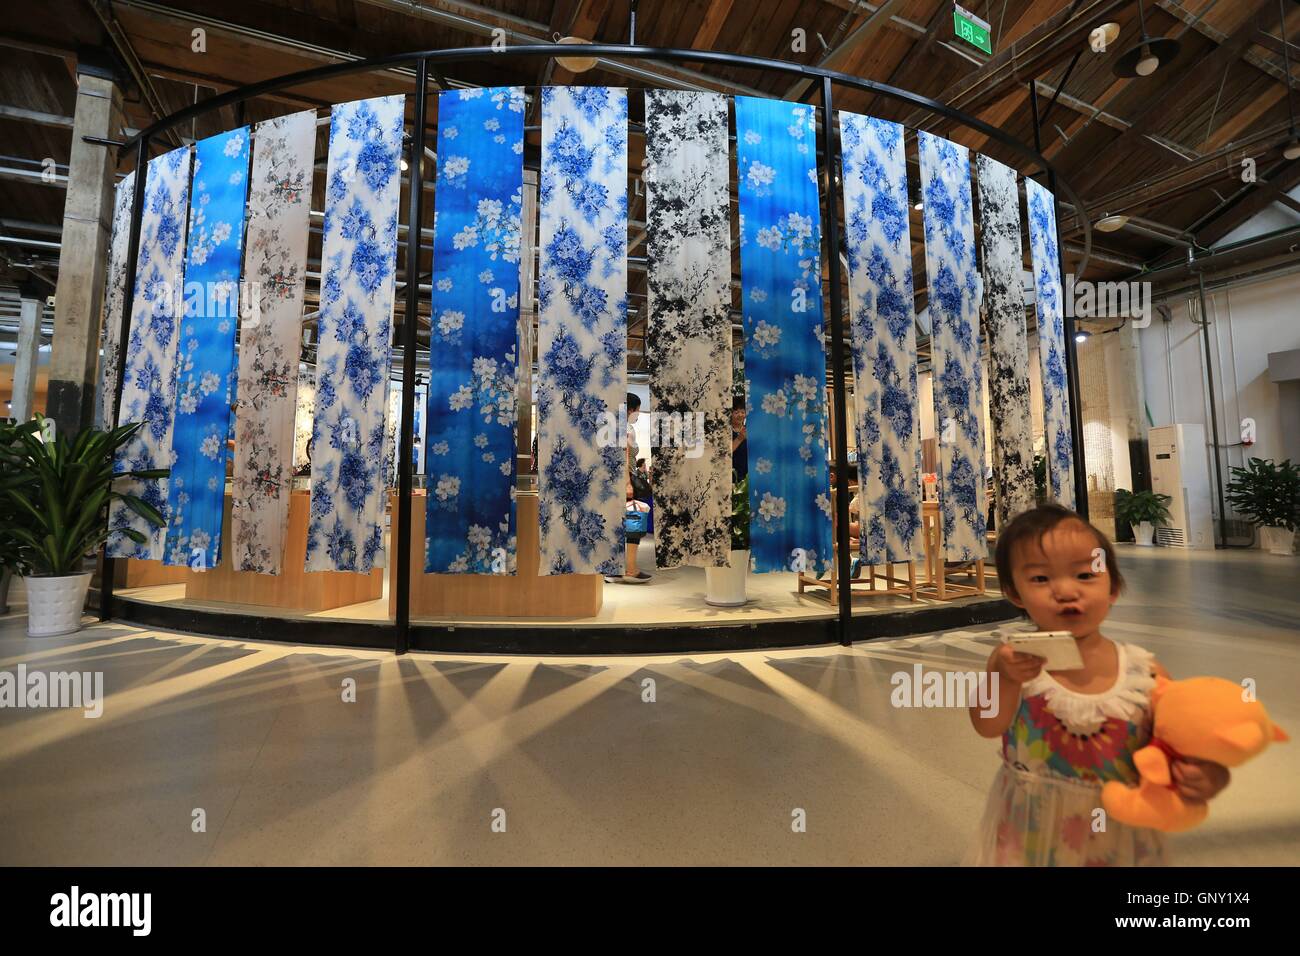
(1129,698)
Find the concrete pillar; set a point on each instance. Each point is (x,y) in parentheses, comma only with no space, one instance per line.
(29,344)
(87,220)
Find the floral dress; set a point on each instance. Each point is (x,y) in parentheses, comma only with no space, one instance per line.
(1045,806)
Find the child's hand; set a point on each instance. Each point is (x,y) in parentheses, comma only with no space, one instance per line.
(1199,779)
(1014,666)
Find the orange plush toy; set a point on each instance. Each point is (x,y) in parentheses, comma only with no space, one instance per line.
(1204,718)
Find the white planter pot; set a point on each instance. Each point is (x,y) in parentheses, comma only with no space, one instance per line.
(725,587)
(1143,533)
(54,604)
(1278,540)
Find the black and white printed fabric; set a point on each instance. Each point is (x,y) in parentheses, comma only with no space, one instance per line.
(688,328)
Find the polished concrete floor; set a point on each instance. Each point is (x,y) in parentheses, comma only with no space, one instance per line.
(574,759)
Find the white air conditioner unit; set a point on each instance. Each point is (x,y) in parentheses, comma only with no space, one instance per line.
(1180,468)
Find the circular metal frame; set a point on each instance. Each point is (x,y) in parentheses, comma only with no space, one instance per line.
(400,633)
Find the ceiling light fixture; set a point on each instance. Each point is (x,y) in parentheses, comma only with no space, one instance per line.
(1103,36)
(1082,336)
(1146,56)
(575,64)
(1111,223)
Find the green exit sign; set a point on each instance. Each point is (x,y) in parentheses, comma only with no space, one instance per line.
(971,29)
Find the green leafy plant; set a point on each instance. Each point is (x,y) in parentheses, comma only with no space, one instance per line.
(58,493)
(1267,493)
(11,517)
(1040,479)
(740,515)
(1137,507)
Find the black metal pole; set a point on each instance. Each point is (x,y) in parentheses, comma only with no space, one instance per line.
(108,565)
(1214,415)
(410,322)
(1071,349)
(832,234)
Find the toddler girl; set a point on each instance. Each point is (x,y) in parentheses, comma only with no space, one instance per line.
(1065,733)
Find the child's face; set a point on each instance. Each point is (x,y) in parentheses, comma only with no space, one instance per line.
(1055,582)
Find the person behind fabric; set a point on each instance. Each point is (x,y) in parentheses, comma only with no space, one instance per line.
(632,575)
(739,447)
(1066,733)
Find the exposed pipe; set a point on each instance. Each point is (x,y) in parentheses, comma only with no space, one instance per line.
(1214,414)
(1279,242)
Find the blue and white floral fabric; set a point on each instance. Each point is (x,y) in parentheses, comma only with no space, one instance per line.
(1013,447)
(955,291)
(470,437)
(196,489)
(275,264)
(785,352)
(877,238)
(110,333)
(358,262)
(1051,342)
(582,335)
(149,382)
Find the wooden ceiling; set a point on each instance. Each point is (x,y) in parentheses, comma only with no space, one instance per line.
(1167,148)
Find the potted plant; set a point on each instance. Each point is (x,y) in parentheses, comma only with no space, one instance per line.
(1269,495)
(1144,510)
(58,493)
(725,587)
(10,546)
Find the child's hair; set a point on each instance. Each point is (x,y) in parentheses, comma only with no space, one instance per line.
(1032,525)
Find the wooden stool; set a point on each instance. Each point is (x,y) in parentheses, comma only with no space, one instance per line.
(937,570)
(862,586)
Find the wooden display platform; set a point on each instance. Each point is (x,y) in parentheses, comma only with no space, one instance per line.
(523,594)
(133,573)
(292,587)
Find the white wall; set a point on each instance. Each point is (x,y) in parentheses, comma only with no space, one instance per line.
(1247,323)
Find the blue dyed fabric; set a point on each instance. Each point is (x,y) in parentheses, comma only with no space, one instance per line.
(877,240)
(205,365)
(149,379)
(470,438)
(358,276)
(955,291)
(1051,342)
(785,353)
(582,331)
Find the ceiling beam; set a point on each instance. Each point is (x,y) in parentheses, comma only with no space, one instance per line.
(1025,58)
(1193,79)
(838,57)
(1193,20)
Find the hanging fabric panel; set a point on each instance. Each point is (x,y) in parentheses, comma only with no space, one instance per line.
(1051,343)
(470,436)
(954,338)
(582,339)
(275,265)
(197,486)
(688,326)
(1013,443)
(114,302)
(785,353)
(149,381)
(358,265)
(878,241)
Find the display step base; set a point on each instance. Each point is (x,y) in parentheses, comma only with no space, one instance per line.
(563,639)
